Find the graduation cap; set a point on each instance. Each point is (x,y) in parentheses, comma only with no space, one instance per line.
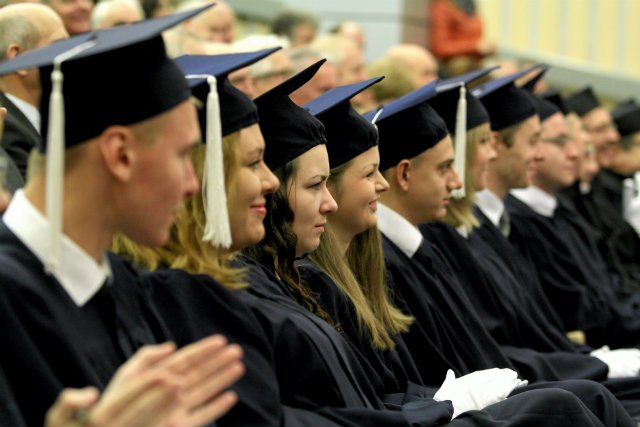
(448,95)
(506,104)
(554,96)
(348,133)
(130,77)
(622,107)
(627,119)
(582,101)
(407,126)
(545,108)
(289,130)
(460,111)
(225,110)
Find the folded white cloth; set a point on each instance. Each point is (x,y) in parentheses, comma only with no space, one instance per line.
(479,389)
(622,363)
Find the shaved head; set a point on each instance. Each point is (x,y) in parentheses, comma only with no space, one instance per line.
(419,62)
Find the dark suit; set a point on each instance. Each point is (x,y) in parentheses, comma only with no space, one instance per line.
(13,179)
(20,137)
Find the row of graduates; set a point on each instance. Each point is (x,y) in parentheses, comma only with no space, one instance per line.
(340,323)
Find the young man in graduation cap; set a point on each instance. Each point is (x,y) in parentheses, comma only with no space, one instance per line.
(71,312)
(416,158)
(599,201)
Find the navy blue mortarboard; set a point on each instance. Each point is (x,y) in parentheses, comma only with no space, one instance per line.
(130,77)
(348,133)
(554,96)
(446,101)
(545,108)
(627,120)
(224,110)
(582,101)
(237,111)
(289,130)
(506,104)
(407,126)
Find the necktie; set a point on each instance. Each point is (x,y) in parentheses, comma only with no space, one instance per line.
(504,224)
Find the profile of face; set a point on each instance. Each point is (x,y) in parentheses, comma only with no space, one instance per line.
(158,175)
(325,79)
(309,198)
(280,69)
(351,69)
(252,181)
(516,164)
(560,153)
(75,14)
(432,178)
(357,190)
(303,35)
(484,153)
(586,163)
(216,24)
(243,81)
(605,137)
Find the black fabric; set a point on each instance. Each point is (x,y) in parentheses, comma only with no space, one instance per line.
(50,343)
(446,105)
(628,121)
(19,136)
(573,275)
(425,285)
(396,366)
(617,241)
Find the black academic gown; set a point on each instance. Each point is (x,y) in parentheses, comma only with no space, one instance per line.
(574,276)
(617,241)
(298,335)
(425,285)
(191,307)
(396,366)
(505,308)
(19,136)
(49,343)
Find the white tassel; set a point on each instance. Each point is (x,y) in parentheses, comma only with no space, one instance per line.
(460,145)
(217,230)
(54,199)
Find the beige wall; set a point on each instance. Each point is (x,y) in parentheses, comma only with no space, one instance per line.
(602,34)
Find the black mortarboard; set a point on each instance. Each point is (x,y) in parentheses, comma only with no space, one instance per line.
(506,104)
(446,101)
(554,96)
(622,107)
(289,130)
(582,101)
(124,78)
(627,120)
(348,133)
(118,76)
(225,109)
(545,108)
(407,126)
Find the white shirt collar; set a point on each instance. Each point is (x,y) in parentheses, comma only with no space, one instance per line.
(401,232)
(30,111)
(585,187)
(491,205)
(540,201)
(79,274)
